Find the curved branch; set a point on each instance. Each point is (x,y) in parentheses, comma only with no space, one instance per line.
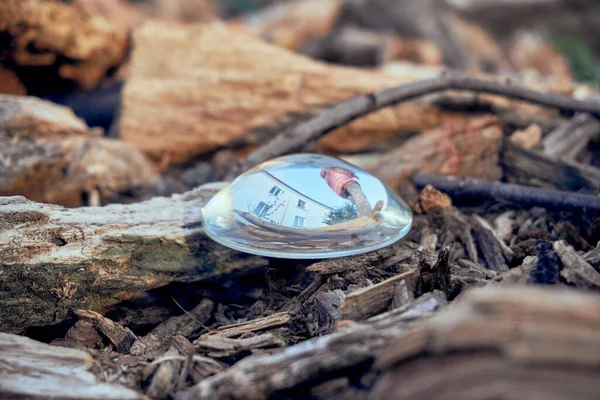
(343,113)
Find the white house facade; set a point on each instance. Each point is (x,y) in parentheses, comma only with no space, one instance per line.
(280,204)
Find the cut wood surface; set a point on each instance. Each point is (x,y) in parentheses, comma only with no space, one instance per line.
(54,43)
(221,87)
(55,259)
(531,342)
(34,370)
(48,154)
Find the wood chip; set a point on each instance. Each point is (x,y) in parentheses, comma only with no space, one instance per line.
(185,324)
(259,324)
(575,270)
(122,338)
(527,138)
(164,379)
(466,148)
(569,140)
(259,376)
(220,347)
(431,198)
(492,248)
(525,165)
(371,300)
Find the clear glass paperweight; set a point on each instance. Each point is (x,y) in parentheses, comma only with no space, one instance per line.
(306,206)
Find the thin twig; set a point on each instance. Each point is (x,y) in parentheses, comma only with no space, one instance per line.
(469,188)
(341,114)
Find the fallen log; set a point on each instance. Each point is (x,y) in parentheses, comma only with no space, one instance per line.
(206,97)
(509,341)
(53,259)
(47,154)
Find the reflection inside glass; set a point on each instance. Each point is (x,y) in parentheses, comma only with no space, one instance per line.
(306,206)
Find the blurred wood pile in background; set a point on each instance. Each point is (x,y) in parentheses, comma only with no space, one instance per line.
(119,120)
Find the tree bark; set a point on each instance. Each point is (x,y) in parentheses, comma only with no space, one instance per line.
(219,87)
(48,154)
(456,354)
(53,260)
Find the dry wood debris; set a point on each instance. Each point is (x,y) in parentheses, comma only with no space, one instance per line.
(109,287)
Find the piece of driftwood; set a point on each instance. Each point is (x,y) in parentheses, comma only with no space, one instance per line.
(48,154)
(526,196)
(54,45)
(529,341)
(527,166)
(371,300)
(34,370)
(331,356)
(258,324)
(55,259)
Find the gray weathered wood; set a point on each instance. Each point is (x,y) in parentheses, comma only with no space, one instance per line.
(34,370)
(54,259)
(498,342)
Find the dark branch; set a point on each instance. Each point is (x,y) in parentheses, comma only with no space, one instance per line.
(341,114)
(528,196)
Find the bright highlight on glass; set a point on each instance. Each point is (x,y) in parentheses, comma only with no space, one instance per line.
(306,206)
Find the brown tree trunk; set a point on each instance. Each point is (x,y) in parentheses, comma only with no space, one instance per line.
(358,198)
